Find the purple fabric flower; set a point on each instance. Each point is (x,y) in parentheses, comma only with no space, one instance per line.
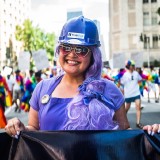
(90,110)
(93,88)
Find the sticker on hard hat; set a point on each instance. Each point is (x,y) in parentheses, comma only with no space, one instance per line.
(75,35)
(74,41)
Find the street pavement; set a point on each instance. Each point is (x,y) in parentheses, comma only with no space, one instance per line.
(150,113)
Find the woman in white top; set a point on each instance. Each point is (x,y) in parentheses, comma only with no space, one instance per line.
(130,81)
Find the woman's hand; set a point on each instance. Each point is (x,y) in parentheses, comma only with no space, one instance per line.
(14,126)
(152,129)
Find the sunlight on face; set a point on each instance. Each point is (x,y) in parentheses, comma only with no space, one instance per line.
(74,65)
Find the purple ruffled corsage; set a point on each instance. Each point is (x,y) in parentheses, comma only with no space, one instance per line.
(91,110)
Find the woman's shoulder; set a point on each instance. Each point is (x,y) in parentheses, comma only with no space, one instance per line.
(47,83)
(109,85)
(50,81)
(107,81)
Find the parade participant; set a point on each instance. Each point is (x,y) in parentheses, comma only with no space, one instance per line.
(117,79)
(3,89)
(79,99)
(10,83)
(106,73)
(143,82)
(53,72)
(152,78)
(30,84)
(130,81)
(18,89)
(159,84)
(38,76)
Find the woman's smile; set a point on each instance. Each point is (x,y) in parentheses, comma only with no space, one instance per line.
(72,62)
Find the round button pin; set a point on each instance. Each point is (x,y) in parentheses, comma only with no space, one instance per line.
(45,99)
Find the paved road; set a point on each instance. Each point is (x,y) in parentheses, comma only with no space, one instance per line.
(150,113)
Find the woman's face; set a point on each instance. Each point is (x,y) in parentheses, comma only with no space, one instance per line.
(132,67)
(74,59)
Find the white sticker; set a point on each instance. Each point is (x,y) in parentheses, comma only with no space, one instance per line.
(74,41)
(75,35)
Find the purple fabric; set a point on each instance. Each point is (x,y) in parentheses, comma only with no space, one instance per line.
(51,115)
(95,113)
(92,110)
(114,94)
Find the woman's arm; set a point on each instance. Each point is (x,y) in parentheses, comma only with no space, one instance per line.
(33,122)
(121,118)
(14,125)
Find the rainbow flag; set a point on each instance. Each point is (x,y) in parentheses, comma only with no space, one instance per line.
(29,87)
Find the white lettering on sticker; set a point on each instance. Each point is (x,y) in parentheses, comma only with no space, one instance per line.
(75,35)
(74,41)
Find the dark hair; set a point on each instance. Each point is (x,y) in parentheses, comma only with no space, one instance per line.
(17,71)
(31,71)
(121,69)
(151,67)
(129,63)
(8,76)
(38,74)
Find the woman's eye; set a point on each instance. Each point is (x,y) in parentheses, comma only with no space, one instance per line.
(78,50)
(67,48)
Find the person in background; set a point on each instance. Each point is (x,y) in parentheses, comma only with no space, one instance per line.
(130,80)
(10,83)
(18,90)
(106,73)
(44,74)
(38,76)
(152,84)
(79,99)
(53,72)
(29,84)
(117,79)
(3,90)
(159,84)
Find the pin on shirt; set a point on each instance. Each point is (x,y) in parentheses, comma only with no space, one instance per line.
(45,99)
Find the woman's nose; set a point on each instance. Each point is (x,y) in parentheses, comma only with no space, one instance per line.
(72,53)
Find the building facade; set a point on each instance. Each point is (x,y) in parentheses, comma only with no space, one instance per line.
(12,13)
(75,12)
(134,27)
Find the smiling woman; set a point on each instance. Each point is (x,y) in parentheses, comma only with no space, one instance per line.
(79,99)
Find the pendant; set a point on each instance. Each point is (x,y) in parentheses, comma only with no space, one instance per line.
(45,99)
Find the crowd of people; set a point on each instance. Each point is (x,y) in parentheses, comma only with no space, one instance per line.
(80,98)
(133,82)
(16,89)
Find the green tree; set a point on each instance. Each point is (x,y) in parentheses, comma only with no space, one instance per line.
(25,34)
(33,39)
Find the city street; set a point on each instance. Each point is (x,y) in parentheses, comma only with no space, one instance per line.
(150,113)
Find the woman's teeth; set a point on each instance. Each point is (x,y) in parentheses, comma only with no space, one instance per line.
(72,62)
